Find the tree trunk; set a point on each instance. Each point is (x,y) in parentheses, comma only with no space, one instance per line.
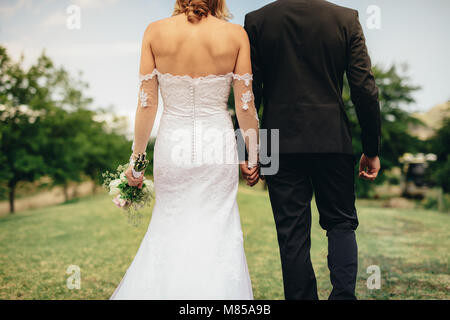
(66,192)
(75,191)
(12,191)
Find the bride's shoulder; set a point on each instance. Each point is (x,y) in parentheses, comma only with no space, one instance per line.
(157,29)
(159,23)
(227,24)
(240,34)
(235,30)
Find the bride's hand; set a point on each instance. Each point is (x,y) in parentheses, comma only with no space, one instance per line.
(250,175)
(132,181)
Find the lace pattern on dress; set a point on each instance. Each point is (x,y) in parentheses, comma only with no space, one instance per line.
(246,98)
(146,77)
(148,89)
(246,78)
(143,97)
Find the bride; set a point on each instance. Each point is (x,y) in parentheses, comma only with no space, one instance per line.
(193,248)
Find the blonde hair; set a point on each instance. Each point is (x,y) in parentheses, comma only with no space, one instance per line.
(195,10)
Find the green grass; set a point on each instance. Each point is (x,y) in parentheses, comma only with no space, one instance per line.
(410,246)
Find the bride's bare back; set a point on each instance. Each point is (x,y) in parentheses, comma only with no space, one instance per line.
(210,46)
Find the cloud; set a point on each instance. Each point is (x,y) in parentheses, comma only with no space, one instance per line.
(11,9)
(95,50)
(56,19)
(85,4)
(90,51)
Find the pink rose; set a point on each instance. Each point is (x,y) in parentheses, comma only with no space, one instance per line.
(116,201)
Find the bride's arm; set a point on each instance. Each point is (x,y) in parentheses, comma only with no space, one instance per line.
(148,96)
(246,113)
(147,103)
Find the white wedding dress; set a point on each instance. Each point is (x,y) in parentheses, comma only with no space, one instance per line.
(193,248)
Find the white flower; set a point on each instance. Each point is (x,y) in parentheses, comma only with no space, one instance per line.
(115,183)
(114,191)
(123,178)
(114,187)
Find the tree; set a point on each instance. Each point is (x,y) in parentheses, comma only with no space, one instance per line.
(21,136)
(20,142)
(65,124)
(64,151)
(440,145)
(106,147)
(47,128)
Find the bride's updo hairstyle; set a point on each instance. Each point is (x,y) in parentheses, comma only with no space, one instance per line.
(195,10)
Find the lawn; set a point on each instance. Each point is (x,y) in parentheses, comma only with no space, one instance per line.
(411,247)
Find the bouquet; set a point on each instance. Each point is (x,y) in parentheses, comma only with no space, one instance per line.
(128,198)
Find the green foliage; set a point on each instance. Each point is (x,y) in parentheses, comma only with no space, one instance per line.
(105,148)
(21,140)
(21,137)
(437,201)
(440,145)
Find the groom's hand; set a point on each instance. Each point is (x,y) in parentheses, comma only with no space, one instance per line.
(369,167)
(250,175)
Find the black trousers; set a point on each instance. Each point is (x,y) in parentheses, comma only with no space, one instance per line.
(331,178)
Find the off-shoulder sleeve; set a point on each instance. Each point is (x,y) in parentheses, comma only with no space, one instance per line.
(148,89)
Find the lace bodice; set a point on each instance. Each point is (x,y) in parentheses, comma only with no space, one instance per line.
(182,95)
(207,94)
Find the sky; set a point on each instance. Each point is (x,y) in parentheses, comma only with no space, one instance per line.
(106,46)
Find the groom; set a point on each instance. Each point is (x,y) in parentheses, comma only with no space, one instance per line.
(300,52)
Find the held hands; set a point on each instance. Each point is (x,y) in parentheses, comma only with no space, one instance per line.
(250,175)
(372,165)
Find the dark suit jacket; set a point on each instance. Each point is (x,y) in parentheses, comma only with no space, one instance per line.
(300,52)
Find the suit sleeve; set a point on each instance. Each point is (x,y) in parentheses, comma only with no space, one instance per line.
(363,90)
(256,67)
